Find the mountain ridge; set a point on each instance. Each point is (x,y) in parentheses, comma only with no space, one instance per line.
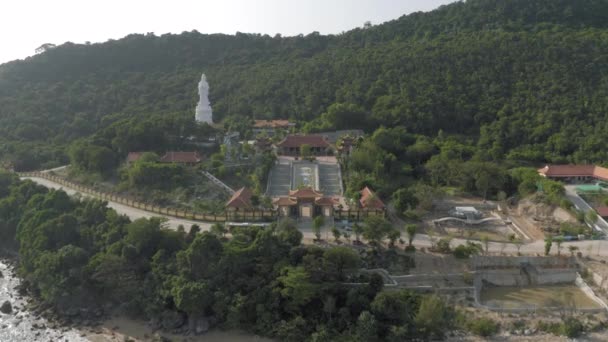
(461,69)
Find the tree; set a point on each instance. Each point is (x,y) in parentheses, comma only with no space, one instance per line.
(45,47)
(432,317)
(548,244)
(591,216)
(194,230)
(486,243)
(404,199)
(559,240)
(329,306)
(336,233)
(317,223)
(411,233)
(367,327)
(194,298)
(287,231)
(199,260)
(219,229)
(433,238)
(376,228)
(296,287)
(395,307)
(393,236)
(338,260)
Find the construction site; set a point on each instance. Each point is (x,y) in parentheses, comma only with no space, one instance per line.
(471,218)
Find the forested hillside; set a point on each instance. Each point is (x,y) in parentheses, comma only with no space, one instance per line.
(525,79)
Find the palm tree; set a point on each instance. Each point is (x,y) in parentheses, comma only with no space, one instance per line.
(393,236)
(317,223)
(559,240)
(411,233)
(337,234)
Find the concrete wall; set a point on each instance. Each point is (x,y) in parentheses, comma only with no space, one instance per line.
(589,292)
(485,262)
(511,277)
(514,277)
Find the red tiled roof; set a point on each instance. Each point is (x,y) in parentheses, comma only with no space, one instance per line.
(574,171)
(134,156)
(271,124)
(369,200)
(240,199)
(285,201)
(325,201)
(299,140)
(602,211)
(305,193)
(181,157)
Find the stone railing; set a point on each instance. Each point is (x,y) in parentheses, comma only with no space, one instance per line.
(242,216)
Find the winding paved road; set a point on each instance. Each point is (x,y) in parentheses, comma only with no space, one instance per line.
(582,205)
(598,247)
(132,213)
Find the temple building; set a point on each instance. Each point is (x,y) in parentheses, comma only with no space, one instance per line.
(574,173)
(239,202)
(188,158)
(370,201)
(271,127)
(292,145)
(305,203)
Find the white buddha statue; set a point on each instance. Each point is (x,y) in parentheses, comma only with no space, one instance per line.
(203,109)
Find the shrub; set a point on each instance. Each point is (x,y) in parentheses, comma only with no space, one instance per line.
(483,326)
(571,327)
(552,328)
(410,249)
(413,215)
(465,251)
(443,246)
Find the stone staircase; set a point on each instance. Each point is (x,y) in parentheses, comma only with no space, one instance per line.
(218,182)
(330,179)
(279,180)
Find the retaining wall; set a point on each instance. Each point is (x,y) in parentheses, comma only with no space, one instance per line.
(513,277)
(498,262)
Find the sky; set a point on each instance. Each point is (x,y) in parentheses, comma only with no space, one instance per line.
(27,24)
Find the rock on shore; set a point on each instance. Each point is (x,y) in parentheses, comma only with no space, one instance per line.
(6,307)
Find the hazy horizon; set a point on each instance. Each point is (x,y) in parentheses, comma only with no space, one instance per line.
(95,21)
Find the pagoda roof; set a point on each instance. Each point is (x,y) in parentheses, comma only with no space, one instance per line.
(305,193)
(241,199)
(299,140)
(181,157)
(369,200)
(272,124)
(134,156)
(325,201)
(574,171)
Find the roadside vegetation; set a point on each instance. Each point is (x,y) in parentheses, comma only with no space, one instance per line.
(80,254)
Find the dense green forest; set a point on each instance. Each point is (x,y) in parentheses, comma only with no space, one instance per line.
(80,254)
(524,80)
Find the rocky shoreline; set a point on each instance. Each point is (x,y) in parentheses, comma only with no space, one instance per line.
(23,318)
(20,322)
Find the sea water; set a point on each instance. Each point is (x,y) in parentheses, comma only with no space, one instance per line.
(19,325)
